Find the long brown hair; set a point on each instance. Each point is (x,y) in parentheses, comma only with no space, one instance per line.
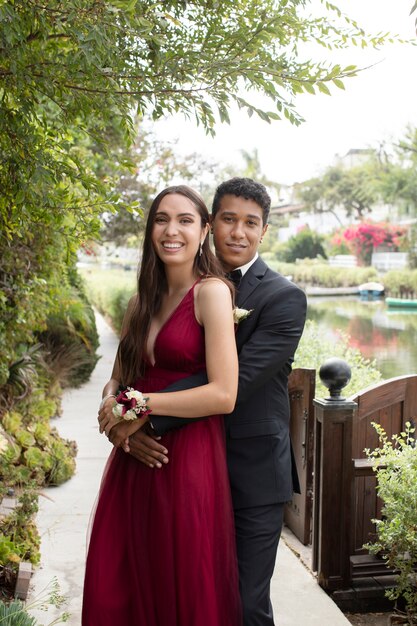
(152,284)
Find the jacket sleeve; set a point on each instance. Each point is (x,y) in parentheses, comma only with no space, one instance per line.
(161,424)
(272,344)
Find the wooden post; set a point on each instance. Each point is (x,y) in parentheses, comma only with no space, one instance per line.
(23,580)
(333,479)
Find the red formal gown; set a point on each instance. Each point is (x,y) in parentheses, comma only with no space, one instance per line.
(162,548)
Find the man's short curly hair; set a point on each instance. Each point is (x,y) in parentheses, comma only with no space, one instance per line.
(243,188)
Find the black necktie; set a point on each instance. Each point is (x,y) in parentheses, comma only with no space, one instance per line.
(235,277)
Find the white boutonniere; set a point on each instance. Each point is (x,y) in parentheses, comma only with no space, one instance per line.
(240,314)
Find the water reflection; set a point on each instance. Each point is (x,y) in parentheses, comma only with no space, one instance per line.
(388,336)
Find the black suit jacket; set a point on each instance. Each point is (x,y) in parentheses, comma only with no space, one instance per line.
(259,455)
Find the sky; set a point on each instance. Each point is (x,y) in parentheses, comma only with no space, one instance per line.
(376,106)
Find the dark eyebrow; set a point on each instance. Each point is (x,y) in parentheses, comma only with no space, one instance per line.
(179,214)
(254,217)
(235,214)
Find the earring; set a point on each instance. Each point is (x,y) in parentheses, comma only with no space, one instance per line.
(200,251)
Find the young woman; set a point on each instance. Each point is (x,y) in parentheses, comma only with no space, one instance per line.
(162,548)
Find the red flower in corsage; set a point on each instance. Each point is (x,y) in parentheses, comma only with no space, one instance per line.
(131,405)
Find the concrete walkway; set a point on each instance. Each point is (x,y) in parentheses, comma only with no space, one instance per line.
(64,514)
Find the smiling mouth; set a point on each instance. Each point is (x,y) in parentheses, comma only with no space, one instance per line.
(172,246)
(236,245)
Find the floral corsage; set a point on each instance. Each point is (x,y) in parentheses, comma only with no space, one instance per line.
(240,314)
(131,405)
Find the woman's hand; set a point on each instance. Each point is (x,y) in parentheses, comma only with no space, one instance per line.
(106,419)
(116,429)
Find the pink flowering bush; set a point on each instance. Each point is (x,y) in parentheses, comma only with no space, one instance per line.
(361,239)
(337,244)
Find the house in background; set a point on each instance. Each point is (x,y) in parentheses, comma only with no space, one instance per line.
(291,215)
(294,216)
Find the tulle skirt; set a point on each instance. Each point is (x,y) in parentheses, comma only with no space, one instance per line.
(162,548)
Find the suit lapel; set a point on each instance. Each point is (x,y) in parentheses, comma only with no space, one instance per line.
(250,281)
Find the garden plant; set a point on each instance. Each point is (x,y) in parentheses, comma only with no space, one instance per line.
(17,613)
(395,465)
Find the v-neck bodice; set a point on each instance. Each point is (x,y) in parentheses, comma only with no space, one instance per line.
(179,348)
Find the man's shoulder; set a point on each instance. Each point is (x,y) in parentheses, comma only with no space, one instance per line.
(274,280)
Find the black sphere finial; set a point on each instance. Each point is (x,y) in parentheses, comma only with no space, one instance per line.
(335,375)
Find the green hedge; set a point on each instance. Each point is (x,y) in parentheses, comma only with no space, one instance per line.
(58,353)
(110,290)
(64,356)
(324,275)
(401,283)
(397,283)
(70,339)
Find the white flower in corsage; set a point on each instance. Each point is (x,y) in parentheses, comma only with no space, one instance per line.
(240,314)
(131,405)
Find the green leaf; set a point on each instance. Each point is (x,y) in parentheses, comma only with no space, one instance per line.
(309,88)
(323,88)
(338,83)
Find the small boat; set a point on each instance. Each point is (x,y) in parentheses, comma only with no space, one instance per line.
(403,303)
(369,291)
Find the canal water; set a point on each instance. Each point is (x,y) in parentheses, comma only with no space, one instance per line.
(387,335)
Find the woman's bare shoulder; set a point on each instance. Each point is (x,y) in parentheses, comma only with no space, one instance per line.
(211,286)
(211,292)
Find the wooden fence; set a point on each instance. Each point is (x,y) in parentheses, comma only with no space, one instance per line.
(339,484)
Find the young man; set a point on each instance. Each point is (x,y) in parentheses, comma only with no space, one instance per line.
(262,475)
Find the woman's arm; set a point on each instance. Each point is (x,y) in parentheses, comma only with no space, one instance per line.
(111,388)
(213,307)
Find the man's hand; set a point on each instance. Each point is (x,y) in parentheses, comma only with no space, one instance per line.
(145,448)
(119,434)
